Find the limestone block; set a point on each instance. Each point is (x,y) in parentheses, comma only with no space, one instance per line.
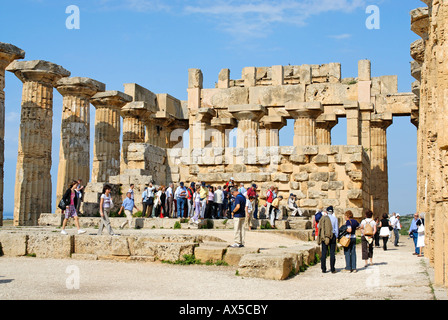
(420,21)
(274,96)
(13,244)
(331,93)
(418,50)
(224,78)
(310,150)
(319,176)
(287,151)
(355,194)
(280,177)
(222,98)
(195,78)
(336,185)
(101,245)
(389,84)
(298,158)
(54,220)
(300,177)
(209,253)
(320,159)
(77,256)
(233,255)
(309,203)
(272,267)
(54,246)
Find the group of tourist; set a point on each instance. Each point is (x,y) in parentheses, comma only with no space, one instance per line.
(327,232)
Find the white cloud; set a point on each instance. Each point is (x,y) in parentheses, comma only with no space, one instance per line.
(257,17)
(340,36)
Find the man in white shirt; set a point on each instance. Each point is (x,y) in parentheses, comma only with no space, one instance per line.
(332,245)
(181,195)
(292,206)
(131,191)
(218,202)
(170,201)
(395,223)
(242,190)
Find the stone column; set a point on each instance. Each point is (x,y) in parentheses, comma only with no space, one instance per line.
(8,53)
(269,131)
(74,152)
(353,127)
(200,137)
(106,150)
(221,129)
(305,115)
(324,124)
(33,188)
(133,127)
(379,185)
(248,117)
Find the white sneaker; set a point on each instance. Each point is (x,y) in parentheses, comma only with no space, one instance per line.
(235,245)
(64,232)
(80,231)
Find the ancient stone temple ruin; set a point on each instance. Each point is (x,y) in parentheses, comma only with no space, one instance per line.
(143,137)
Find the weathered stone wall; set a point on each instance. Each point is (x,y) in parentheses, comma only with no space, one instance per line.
(431,72)
(319,175)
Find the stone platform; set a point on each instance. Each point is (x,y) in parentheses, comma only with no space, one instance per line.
(268,253)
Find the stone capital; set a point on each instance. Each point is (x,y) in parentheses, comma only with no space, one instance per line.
(38,71)
(137,109)
(310,110)
(9,53)
(224,123)
(327,121)
(110,100)
(205,115)
(273,122)
(253,112)
(78,86)
(381,120)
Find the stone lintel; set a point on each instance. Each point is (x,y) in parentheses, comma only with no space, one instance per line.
(38,70)
(110,99)
(8,53)
(79,86)
(205,115)
(223,122)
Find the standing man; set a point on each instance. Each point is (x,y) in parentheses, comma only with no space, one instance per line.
(252,192)
(218,201)
(181,198)
(80,194)
(328,233)
(128,206)
(131,190)
(275,213)
(150,191)
(239,217)
(242,190)
(191,191)
(413,233)
(170,201)
(395,223)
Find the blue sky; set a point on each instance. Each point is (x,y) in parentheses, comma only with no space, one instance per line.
(155,42)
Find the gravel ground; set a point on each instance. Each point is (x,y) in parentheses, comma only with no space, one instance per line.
(396,274)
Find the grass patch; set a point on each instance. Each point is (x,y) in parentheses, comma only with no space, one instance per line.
(31,255)
(266,226)
(177,225)
(188,260)
(208,225)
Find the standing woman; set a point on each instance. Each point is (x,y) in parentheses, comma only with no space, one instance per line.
(210,203)
(106,205)
(421,234)
(350,251)
(377,233)
(163,203)
(368,228)
(71,197)
(385,227)
(197,205)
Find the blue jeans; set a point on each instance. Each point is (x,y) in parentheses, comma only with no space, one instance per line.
(350,255)
(415,237)
(181,207)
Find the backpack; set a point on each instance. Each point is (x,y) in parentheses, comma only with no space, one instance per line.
(318,216)
(368,229)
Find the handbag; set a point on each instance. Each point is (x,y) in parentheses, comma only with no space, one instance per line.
(344,241)
(62,205)
(421,229)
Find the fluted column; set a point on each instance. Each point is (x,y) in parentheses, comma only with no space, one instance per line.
(248,117)
(324,125)
(8,53)
(106,159)
(133,115)
(33,179)
(221,128)
(200,137)
(305,115)
(269,131)
(379,185)
(74,152)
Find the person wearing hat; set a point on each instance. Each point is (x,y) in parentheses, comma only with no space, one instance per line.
(275,213)
(292,206)
(327,236)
